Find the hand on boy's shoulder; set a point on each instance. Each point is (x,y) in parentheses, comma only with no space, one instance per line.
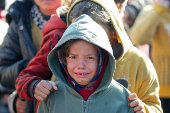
(136,103)
(43,88)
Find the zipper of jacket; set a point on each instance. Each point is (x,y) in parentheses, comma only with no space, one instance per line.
(84,105)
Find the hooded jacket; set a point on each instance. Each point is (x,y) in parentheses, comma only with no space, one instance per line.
(157,33)
(133,69)
(110,96)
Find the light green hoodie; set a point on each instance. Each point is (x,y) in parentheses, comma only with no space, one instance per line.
(133,68)
(109,97)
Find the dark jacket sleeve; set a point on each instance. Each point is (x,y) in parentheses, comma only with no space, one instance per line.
(37,69)
(11,61)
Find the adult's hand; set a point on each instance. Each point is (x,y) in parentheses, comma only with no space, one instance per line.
(20,105)
(43,89)
(137,104)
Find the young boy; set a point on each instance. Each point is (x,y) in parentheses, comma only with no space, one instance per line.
(84,65)
(133,69)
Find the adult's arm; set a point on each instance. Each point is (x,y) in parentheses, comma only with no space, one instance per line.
(37,69)
(11,60)
(147,87)
(142,79)
(150,96)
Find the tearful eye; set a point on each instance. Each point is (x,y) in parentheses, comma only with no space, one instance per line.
(72,57)
(90,57)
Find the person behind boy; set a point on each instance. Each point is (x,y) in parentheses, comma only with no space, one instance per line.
(84,65)
(133,69)
(154,26)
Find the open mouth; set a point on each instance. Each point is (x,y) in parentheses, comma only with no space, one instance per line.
(82,74)
(48,0)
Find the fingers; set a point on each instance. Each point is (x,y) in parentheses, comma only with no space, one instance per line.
(54,85)
(43,89)
(132,97)
(136,103)
(143,111)
(139,109)
(39,97)
(20,105)
(40,89)
(46,85)
(42,94)
(138,106)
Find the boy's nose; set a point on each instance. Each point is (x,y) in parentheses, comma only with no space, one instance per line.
(81,64)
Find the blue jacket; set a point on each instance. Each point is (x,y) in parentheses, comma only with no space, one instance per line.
(17,48)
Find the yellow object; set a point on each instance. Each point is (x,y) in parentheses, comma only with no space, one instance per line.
(153,26)
(54,79)
(37,37)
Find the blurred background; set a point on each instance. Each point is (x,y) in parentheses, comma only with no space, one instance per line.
(3,24)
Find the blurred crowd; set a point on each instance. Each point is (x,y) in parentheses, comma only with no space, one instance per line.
(146,22)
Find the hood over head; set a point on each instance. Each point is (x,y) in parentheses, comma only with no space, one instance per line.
(83,28)
(116,19)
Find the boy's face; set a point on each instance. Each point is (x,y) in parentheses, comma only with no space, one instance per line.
(48,7)
(82,62)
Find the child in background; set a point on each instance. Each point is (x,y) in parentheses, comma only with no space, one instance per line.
(153,22)
(84,65)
